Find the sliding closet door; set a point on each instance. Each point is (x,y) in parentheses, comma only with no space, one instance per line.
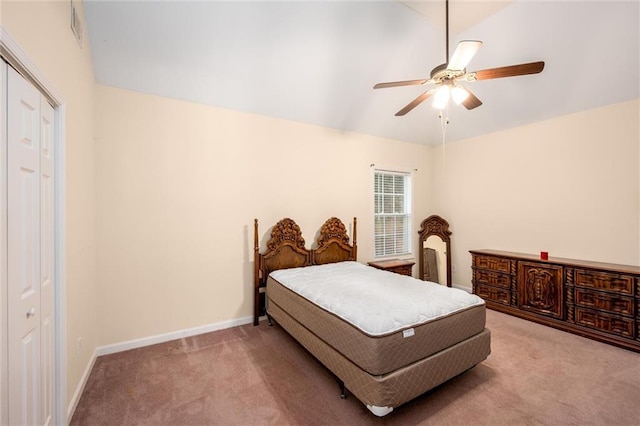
(23,252)
(47,244)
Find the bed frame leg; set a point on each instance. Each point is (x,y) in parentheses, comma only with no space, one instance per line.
(343,390)
(269,322)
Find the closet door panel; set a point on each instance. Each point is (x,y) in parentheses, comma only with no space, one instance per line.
(47,235)
(23,253)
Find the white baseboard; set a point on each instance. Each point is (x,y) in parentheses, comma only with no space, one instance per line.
(73,404)
(174,335)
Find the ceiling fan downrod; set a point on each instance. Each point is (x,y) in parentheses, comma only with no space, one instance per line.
(446,12)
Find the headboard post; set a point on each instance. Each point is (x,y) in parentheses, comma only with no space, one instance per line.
(355,235)
(256,273)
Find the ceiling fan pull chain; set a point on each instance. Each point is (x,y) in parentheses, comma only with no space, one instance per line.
(444,121)
(443,159)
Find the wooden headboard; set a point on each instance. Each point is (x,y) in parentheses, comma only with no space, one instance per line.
(286,249)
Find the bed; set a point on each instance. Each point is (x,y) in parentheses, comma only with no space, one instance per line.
(333,306)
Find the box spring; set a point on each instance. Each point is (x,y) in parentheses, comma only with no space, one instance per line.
(382,393)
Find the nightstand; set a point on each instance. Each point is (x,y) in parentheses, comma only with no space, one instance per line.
(402,267)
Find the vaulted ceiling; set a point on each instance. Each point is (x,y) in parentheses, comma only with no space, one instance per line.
(317,62)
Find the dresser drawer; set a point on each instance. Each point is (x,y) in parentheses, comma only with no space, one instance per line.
(604,301)
(494,294)
(605,322)
(493,263)
(604,281)
(493,278)
(403,270)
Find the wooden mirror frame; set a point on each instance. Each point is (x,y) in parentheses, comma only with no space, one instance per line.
(435,225)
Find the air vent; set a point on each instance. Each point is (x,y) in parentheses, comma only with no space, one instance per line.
(76,24)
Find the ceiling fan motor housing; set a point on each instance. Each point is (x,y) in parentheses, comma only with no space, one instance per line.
(441,73)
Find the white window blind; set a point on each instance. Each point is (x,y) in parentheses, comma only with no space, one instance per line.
(392,215)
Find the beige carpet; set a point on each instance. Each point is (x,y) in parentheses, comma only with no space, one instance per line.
(258,375)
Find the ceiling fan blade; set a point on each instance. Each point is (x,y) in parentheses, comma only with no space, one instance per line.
(471,101)
(465,51)
(414,103)
(510,71)
(399,83)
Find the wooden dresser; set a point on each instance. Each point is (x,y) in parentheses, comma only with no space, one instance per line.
(593,299)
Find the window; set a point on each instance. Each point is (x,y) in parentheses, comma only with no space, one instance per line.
(392,214)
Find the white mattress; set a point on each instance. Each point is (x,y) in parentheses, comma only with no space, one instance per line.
(376,302)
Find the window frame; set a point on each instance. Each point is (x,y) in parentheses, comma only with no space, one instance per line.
(406,250)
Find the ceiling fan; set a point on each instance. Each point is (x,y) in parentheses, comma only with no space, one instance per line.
(446,76)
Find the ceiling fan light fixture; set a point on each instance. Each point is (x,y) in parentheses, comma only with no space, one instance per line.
(459,95)
(441,97)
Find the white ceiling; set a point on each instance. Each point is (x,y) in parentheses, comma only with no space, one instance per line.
(316,62)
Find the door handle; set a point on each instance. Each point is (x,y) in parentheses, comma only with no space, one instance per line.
(31,312)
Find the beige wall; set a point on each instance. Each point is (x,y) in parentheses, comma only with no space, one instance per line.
(569,186)
(42,31)
(179,184)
